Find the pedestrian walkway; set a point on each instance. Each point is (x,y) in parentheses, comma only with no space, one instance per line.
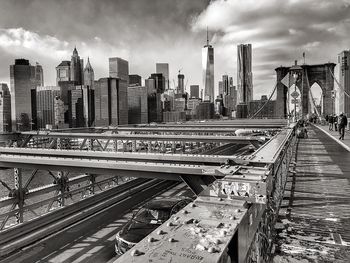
(335,135)
(314,220)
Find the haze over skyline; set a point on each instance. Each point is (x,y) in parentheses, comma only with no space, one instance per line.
(173,31)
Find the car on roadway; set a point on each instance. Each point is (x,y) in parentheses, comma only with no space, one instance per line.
(146,220)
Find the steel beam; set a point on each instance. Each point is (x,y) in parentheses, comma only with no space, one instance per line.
(147,137)
(126,156)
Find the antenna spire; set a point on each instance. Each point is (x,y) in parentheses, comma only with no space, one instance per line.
(207,37)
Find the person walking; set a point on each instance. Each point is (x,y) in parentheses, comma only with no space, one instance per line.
(343,122)
(330,122)
(335,121)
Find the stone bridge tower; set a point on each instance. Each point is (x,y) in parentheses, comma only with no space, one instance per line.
(308,75)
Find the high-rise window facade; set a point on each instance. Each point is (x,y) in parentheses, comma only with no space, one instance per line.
(244,73)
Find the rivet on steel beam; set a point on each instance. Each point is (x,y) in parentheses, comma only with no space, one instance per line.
(169,224)
(220,199)
(193,205)
(160,232)
(171,240)
(150,240)
(233,218)
(184,212)
(176,218)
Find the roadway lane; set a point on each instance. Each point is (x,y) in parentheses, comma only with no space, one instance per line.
(89,241)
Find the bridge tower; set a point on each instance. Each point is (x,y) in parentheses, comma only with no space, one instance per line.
(310,74)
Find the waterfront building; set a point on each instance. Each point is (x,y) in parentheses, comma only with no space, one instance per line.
(208,71)
(163,68)
(344,80)
(5,108)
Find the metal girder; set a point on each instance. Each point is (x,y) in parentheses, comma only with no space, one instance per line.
(146,137)
(271,150)
(134,156)
(137,169)
(201,232)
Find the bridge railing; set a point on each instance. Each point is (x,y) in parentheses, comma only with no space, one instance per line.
(233,218)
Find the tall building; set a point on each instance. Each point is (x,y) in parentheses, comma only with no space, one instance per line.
(268,111)
(111,102)
(76,108)
(163,68)
(159,82)
(89,76)
(135,80)
(45,109)
(208,71)
(5,108)
(137,105)
(225,85)
(194,91)
(221,88)
(119,68)
(63,71)
(244,73)
(180,84)
(58,105)
(154,102)
(24,80)
(76,68)
(344,79)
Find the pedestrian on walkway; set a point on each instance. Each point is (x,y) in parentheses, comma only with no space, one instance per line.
(335,120)
(343,122)
(330,122)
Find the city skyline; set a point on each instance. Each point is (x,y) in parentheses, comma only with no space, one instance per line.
(132,30)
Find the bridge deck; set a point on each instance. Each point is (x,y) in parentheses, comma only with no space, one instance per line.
(316,210)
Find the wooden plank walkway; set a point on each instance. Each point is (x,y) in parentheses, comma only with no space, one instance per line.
(314,220)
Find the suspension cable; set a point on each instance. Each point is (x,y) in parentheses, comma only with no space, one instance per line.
(259,110)
(339,85)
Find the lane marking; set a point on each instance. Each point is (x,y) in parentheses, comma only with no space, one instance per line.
(334,138)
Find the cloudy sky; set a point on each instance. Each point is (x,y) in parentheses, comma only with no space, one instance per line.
(148,31)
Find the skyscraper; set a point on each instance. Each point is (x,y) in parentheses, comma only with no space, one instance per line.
(244,73)
(344,79)
(137,105)
(63,71)
(89,76)
(5,108)
(45,110)
(225,85)
(163,68)
(76,68)
(208,71)
(194,91)
(24,80)
(180,84)
(135,80)
(119,68)
(111,102)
